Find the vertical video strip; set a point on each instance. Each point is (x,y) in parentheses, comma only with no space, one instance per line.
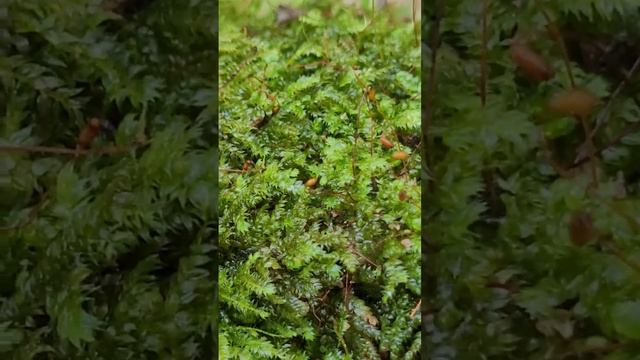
(107,179)
(319,180)
(215,313)
(531,121)
(430,29)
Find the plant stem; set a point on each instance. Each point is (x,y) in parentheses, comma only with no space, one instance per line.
(602,116)
(553,29)
(109,150)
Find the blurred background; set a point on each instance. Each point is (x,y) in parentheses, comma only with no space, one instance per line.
(402,10)
(381,3)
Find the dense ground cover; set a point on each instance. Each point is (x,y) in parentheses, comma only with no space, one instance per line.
(319,224)
(532,226)
(108,254)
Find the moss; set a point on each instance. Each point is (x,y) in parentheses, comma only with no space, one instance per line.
(318,271)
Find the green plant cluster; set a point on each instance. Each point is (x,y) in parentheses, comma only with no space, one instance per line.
(107,255)
(531,256)
(330,270)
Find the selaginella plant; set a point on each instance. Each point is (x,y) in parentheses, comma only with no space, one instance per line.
(319,176)
(532,209)
(106,254)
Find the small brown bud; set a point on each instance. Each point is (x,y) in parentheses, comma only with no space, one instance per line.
(400,155)
(581,229)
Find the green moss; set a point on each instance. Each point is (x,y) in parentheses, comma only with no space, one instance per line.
(507,280)
(289,250)
(108,257)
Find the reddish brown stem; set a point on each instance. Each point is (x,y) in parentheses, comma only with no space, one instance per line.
(612,249)
(109,150)
(555,32)
(613,142)
(600,119)
(591,149)
(415,308)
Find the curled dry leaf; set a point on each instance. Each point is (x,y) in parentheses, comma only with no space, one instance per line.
(530,62)
(574,102)
(371,94)
(370,319)
(581,229)
(247,165)
(406,243)
(385,142)
(400,155)
(311,182)
(88,133)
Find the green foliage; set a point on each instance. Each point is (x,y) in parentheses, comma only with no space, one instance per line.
(506,279)
(107,256)
(318,272)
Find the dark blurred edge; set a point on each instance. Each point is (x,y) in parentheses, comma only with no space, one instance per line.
(216,309)
(427,26)
(423,177)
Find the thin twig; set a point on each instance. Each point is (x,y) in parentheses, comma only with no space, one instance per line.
(603,115)
(252,169)
(372,131)
(314,63)
(240,68)
(612,249)
(313,311)
(555,32)
(365,89)
(346,292)
(613,142)
(324,296)
(355,251)
(260,331)
(415,308)
(585,125)
(108,150)
(355,140)
(628,217)
(232,170)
